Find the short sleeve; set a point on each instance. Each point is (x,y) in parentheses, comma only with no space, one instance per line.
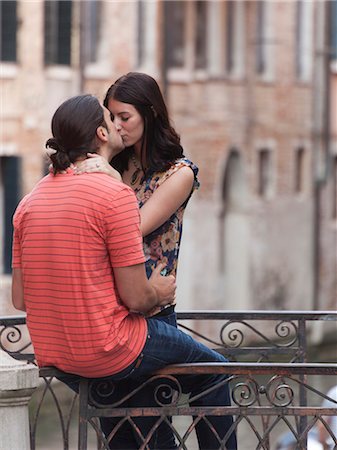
(183,162)
(17,222)
(123,236)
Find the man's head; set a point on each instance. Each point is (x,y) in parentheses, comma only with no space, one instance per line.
(79,126)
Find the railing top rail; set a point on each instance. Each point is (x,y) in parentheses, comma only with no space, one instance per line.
(230,368)
(223,314)
(250,368)
(257,315)
(13,320)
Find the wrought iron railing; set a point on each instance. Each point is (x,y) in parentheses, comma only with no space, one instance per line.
(275,389)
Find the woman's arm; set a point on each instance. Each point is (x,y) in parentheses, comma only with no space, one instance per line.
(166,200)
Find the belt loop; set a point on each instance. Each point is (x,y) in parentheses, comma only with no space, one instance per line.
(139,360)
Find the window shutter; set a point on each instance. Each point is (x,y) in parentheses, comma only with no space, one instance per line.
(8,27)
(57,32)
(12,192)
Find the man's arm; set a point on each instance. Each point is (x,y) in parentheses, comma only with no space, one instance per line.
(140,294)
(17,290)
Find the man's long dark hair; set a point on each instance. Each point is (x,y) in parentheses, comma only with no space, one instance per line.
(160,142)
(74,126)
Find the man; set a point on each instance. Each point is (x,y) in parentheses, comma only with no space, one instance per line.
(78,271)
(78,260)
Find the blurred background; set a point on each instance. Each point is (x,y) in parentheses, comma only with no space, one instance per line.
(251,87)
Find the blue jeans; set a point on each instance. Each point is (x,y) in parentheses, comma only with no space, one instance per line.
(166,345)
(125,438)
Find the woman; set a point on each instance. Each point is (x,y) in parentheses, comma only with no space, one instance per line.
(152,164)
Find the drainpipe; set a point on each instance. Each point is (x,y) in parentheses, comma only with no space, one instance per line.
(321,134)
(164,56)
(82,56)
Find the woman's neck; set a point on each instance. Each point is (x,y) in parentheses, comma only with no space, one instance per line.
(137,156)
(137,149)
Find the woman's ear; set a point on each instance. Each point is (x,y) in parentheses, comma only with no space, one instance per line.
(102,133)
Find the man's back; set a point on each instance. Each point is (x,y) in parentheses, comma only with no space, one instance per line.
(69,232)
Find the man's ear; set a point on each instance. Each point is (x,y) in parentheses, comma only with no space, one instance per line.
(102,133)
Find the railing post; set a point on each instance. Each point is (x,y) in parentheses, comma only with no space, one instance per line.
(18,381)
(303,357)
(83,414)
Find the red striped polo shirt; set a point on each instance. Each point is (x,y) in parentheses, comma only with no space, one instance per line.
(69,234)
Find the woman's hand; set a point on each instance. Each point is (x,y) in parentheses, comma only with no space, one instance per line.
(98,164)
(165,286)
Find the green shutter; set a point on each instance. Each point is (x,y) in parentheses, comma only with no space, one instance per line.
(12,192)
(8,27)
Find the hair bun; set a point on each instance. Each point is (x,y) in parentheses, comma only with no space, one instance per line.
(54,146)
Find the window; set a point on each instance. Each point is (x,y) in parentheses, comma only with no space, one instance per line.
(334,188)
(10,195)
(141,31)
(201,35)
(299,170)
(57,32)
(175,18)
(303,44)
(234,197)
(235,32)
(333,37)
(8,28)
(264,39)
(264,173)
(91,20)
(186,35)
(229,36)
(149,37)
(261,44)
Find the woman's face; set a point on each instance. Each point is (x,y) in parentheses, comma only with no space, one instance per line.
(128,122)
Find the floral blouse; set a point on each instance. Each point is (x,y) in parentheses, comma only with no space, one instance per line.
(164,242)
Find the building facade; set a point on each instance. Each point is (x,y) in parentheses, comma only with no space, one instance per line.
(251,87)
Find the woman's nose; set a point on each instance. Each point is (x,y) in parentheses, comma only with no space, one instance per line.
(117,125)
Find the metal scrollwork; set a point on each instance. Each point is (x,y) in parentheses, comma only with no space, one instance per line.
(235,336)
(10,337)
(278,392)
(12,334)
(245,393)
(284,330)
(102,388)
(168,392)
(165,391)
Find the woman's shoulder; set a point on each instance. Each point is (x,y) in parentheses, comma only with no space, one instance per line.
(155,179)
(179,164)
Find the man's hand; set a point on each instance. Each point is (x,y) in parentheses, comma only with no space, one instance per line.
(165,287)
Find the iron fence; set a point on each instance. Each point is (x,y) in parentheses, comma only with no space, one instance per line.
(275,389)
